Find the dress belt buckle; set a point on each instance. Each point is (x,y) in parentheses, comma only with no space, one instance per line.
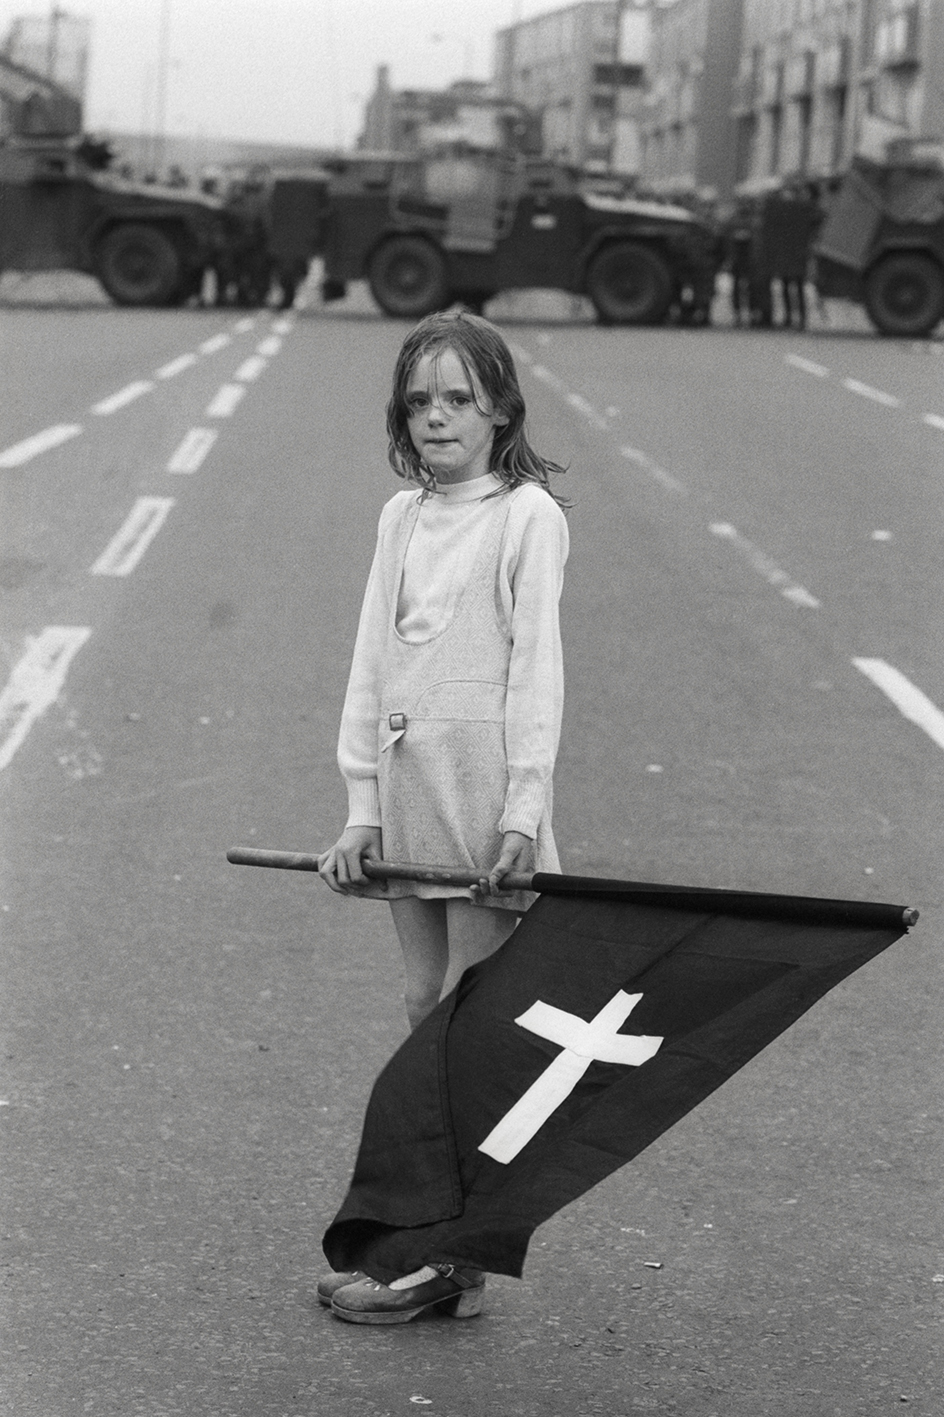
(397,722)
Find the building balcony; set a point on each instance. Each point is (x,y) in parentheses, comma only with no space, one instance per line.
(832,69)
(798,75)
(897,40)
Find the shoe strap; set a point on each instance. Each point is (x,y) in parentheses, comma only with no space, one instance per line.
(458,1276)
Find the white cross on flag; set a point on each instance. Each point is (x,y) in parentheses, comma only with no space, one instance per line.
(583,1044)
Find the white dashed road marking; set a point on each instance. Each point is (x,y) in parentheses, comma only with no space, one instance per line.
(855,386)
(176,366)
(907,698)
(659,474)
(36,683)
(809,366)
(123,397)
(210,346)
(269,346)
(126,548)
(934,420)
(251,368)
(21,453)
(767,567)
(225,400)
(193,450)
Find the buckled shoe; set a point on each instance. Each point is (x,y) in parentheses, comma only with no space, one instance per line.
(457,1292)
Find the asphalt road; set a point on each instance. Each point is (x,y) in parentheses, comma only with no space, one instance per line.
(753,645)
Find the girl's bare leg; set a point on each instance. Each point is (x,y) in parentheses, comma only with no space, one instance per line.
(474,933)
(421,930)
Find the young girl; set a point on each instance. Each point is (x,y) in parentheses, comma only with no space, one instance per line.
(452,716)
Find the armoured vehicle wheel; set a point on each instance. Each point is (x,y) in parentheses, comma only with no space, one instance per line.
(629,285)
(139,265)
(407,277)
(904,294)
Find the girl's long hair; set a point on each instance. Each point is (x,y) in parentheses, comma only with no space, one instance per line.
(488,365)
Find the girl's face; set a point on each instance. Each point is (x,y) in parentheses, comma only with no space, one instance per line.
(448,430)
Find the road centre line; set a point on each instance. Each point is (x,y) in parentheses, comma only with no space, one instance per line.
(176,366)
(225,400)
(907,697)
(129,544)
(29,448)
(244,325)
(546,377)
(866,391)
(251,368)
(284,326)
(767,567)
(123,397)
(809,366)
(584,406)
(194,448)
(210,346)
(269,346)
(934,420)
(36,682)
(659,474)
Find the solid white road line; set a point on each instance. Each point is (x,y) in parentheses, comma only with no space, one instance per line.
(855,386)
(269,346)
(124,396)
(251,368)
(225,400)
(766,566)
(809,366)
(176,366)
(934,420)
(193,450)
(907,698)
(210,346)
(126,548)
(36,683)
(21,453)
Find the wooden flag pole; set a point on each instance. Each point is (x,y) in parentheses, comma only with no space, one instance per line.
(696,899)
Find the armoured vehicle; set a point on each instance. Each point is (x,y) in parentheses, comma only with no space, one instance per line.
(882,243)
(148,245)
(428,230)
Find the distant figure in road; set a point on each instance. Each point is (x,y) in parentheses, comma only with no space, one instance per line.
(451,722)
(738,238)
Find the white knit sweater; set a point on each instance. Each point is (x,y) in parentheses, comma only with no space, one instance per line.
(440,555)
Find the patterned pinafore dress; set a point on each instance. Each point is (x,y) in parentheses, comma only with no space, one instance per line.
(442,769)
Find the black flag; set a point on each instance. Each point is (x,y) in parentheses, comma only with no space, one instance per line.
(603,1019)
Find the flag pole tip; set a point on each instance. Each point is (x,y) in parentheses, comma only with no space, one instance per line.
(910,916)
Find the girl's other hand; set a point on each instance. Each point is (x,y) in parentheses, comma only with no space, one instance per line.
(515,856)
(341,868)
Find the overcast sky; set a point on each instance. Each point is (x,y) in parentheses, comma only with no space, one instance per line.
(295,71)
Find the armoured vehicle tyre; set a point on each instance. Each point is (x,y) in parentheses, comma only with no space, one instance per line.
(629,285)
(138,265)
(407,277)
(904,294)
